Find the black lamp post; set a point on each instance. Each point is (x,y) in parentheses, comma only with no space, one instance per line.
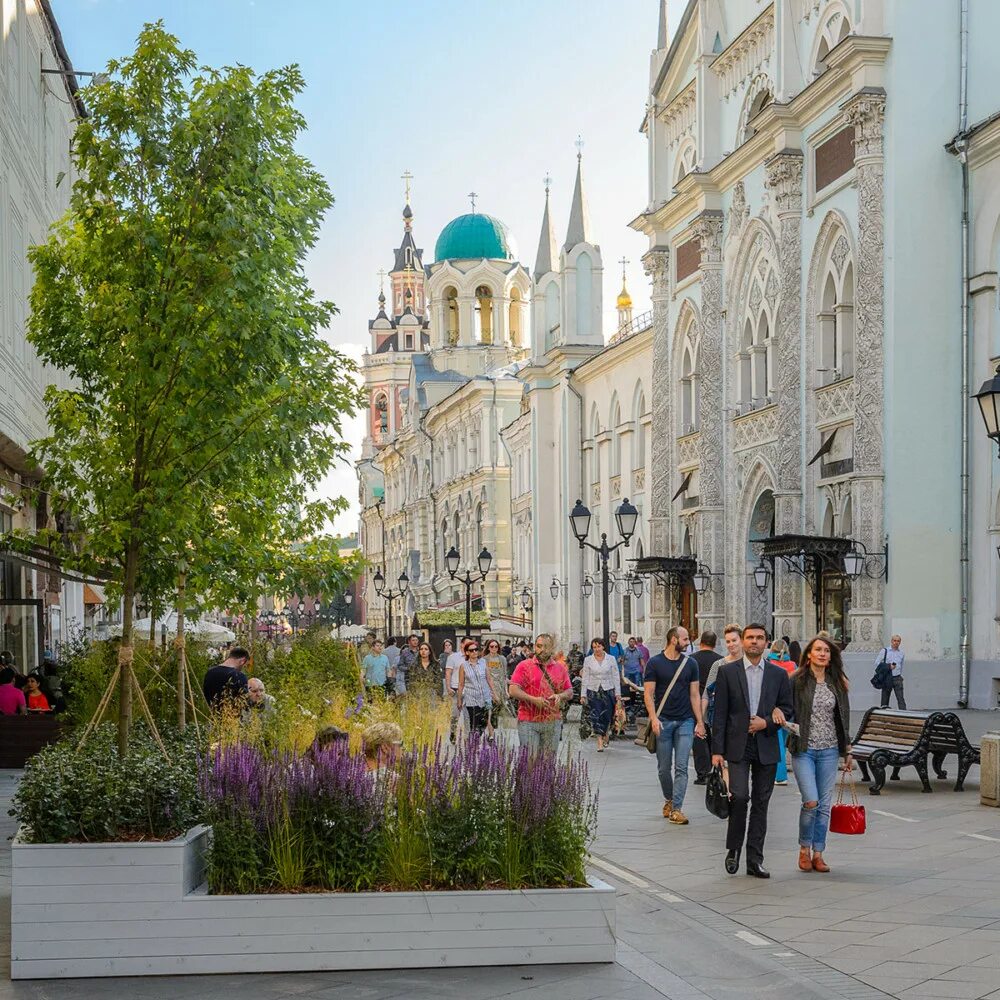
(527,603)
(341,608)
(402,583)
(988,399)
(627,517)
(452,559)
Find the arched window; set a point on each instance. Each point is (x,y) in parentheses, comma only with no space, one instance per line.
(584,294)
(746,365)
(847,519)
(689,390)
(757,369)
(835,319)
(451,315)
(484,314)
(835,28)
(458,532)
(514,318)
(639,462)
(616,441)
(551,314)
(762,363)
(829,521)
(684,162)
(759,95)
(479,528)
(381,415)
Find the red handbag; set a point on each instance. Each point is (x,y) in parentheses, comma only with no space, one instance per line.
(847,817)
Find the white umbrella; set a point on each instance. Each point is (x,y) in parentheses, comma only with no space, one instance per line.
(500,627)
(351,632)
(196,628)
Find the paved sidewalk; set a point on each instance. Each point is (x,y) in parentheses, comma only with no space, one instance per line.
(912,909)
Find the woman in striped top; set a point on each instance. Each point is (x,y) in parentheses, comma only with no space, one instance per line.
(600,690)
(475,688)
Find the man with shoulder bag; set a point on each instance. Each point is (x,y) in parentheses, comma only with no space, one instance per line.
(889,670)
(673,702)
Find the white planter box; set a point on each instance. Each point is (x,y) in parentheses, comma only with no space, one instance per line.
(142,910)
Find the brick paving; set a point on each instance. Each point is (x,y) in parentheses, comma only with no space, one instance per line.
(912,909)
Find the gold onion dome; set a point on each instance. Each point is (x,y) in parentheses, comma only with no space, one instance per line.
(624,299)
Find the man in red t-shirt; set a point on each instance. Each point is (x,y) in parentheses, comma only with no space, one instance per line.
(541,685)
(11,699)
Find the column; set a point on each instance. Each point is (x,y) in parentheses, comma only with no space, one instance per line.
(711,358)
(866,112)
(657,265)
(783,180)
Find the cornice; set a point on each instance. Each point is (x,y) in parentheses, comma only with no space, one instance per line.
(984,145)
(679,115)
(856,63)
(750,50)
(614,354)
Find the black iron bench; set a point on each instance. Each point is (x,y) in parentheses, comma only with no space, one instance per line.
(888,738)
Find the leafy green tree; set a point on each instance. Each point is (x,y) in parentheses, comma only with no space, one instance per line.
(203,397)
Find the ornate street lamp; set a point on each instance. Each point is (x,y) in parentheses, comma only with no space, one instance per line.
(988,399)
(587,586)
(762,577)
(626,517)
(452,560)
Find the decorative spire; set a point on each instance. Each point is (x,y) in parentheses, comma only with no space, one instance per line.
(579,217)
(381,284)
(406,177)
(472,197)
(661,35)
(547,252)
(624,299)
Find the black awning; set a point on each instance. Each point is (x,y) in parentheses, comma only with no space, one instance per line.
(824,448)
(676,567)
(791,546)
(683,486)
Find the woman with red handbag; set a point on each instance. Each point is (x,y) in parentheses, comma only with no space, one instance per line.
(823,717)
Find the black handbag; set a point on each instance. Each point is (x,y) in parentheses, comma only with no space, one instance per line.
(717,794)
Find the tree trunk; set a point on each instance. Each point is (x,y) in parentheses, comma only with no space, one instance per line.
(152,627)
(181,653)
(126,650)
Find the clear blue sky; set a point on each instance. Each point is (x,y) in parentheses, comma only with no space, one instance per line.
(478,95)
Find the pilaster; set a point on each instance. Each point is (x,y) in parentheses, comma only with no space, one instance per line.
(866,112)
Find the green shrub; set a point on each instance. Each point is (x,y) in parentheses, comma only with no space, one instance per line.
(94,794)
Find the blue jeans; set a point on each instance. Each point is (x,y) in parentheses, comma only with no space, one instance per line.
(673,747)
(816,773)
(782,774)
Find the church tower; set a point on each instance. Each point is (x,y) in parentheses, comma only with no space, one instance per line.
(546,300)
(583,271)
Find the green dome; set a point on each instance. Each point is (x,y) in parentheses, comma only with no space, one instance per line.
(473,236)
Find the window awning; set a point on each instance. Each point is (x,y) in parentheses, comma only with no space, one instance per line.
(93,594)
(685,482)
(824,448)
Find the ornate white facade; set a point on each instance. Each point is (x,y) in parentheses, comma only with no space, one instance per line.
(38,109)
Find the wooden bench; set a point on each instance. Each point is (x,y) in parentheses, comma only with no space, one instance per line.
(892,738)
(22,736)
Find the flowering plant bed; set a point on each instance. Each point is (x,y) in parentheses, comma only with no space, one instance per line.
(481,817)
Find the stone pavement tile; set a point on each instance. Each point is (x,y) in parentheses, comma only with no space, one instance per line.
(857,958)
(913,970)
(972,974)
(891,985)
(832,939)
(957,951)
(942,988)
(917,936)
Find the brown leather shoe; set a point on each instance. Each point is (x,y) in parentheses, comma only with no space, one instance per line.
(678,818)
(819,865)
(805,861)
(668,810)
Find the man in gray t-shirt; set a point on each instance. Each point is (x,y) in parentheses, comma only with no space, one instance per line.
(893,657)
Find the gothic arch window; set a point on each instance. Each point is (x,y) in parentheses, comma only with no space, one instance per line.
(847,519)
(616,441)
(684,162)
(759,95)
(484,314)
(458,531)
(835,27)
(584,293)
(514,318)
(829,521)
(640,432)
(756,357)
(835,319)
(479,528)
(595,451)
(451,315)
(551,314)
(690,389)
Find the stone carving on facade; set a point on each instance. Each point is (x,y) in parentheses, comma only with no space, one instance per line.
(835,403)
(739,212)
(638,480)
(840,252)
(616,487)
(595,494)
(678,116)
(657,265)
(688,449)
(711,356)
(751,50)
(755,429)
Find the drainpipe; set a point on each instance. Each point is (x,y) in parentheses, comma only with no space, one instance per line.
(510,514)
(964,655)
(433,531)
(583,485)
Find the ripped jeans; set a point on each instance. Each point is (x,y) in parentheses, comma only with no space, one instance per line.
(816,773)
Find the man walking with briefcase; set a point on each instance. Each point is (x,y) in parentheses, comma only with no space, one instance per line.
(745,734)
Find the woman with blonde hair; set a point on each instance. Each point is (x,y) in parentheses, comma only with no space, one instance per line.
(823,719)
(380,743)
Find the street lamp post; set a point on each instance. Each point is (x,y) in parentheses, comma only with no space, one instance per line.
(627,517)
(452,559)
(341,608)
(402,583)
(527,603)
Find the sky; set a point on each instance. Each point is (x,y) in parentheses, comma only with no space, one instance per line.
(468,95)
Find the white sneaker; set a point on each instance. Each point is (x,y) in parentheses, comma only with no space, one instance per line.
(781,782)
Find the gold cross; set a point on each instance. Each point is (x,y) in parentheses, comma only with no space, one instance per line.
(623,263)
(406,178)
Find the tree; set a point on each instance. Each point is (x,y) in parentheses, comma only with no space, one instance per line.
(203,393)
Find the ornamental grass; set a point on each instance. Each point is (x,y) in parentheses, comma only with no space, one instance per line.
(479,817)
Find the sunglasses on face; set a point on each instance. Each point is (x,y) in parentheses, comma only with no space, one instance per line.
(472,649)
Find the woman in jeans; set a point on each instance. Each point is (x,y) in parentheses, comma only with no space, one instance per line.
(600,690)
(475,688)
(779,654)
(496,665)
(823,714)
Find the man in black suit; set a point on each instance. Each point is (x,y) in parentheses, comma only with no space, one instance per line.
(745,736)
